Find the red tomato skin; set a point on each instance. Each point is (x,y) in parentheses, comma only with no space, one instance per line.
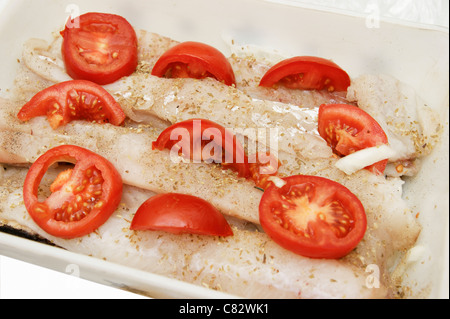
(370,132)
(240,160)
(326,245)
(80,69)
(43,102)
(304,64)
(180,214)
(210,59)
(112,189)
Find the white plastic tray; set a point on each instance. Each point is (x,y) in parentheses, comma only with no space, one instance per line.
(416,54)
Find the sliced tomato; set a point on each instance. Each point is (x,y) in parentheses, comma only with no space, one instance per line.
(313,216)
(307,73)
(348,129)
(82,198)
(73,100)
(262,166)
(180,213)
(204,140)
(194,60)
(99,47)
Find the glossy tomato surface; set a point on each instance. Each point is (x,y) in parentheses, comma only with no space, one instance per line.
(81,200)
(348,129)
(73,100)
(194,60)
(204,140)
(99,47)
(307,73)
(313,217)
(180,213)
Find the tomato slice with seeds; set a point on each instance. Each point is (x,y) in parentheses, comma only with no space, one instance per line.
(82,199)
(348,129)
(262,166)
(73,100)
(313,216)
(307,73)
(194,60)
(179,214)
(204,140)
(99,47)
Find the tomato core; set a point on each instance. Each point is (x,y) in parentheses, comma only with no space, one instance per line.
(313,216)
(194,60)
(99,47)
(204,140)
(298,212)
(73,100)
(81,199)
(185,70)
(85,198)
(307,73)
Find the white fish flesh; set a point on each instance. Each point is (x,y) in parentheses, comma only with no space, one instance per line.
(250,66)
(160,102)
(412,127)
(247,264)
(293,129)
(296,121)
(130,151)
(149,99)
(128,148)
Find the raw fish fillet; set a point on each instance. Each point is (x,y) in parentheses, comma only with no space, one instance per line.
(247,264)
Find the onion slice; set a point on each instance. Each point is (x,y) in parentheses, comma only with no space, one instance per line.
(365,157)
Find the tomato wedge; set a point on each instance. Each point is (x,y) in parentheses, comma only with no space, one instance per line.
(313,216)
(194,60)
(307,73)
(262,166)
(180,213)
(99,47)
(204,140)
(348,129)
(73,100)
(82,198)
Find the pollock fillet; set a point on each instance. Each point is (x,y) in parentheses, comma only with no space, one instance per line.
(247,264)
(249,65)
(152,104)
(412,127)
(128,149)
(149,99)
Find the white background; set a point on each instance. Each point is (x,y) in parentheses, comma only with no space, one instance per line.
(26,281)
(20,280)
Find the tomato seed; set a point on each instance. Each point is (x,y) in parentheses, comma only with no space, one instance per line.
(86,199)
(79,189)
(99,204)
(39,210)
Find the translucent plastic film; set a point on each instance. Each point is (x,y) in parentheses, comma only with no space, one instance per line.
(430,12)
